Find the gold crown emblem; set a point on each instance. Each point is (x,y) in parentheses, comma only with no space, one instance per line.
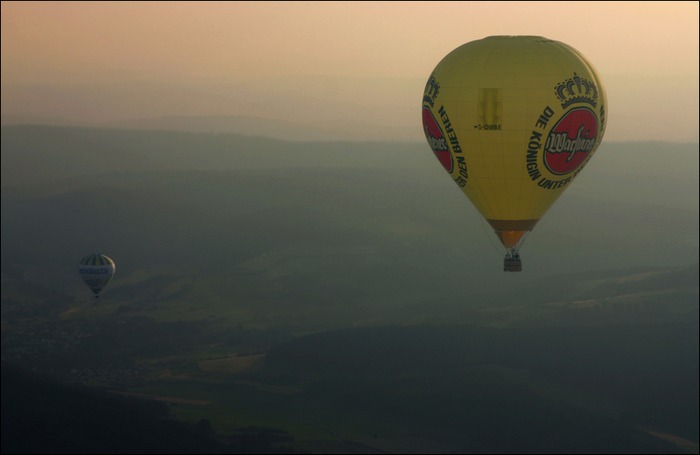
(576,90)
(432,88)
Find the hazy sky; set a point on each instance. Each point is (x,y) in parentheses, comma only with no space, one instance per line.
(360,66)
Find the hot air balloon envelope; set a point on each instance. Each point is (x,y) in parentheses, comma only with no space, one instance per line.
(513,120)
(96,270)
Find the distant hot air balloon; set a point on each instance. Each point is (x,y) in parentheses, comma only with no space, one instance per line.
(513,120)
(96,269)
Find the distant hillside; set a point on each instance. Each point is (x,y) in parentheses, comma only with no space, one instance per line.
(289,130)
(646,172)
(224,124)
(42,154)
(343,231)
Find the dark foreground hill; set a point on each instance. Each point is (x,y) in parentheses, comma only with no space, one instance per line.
(454,389)
(43,416)
(555,390)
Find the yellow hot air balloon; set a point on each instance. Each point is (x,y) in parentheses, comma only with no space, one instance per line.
(513,120)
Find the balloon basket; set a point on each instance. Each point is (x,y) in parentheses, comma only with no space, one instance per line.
(512,263)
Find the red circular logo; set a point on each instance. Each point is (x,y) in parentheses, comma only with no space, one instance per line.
(571,140)
(437,139)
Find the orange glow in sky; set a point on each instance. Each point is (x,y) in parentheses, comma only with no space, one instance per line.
(328,61)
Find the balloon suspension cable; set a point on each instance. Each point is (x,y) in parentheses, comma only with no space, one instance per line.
(518,246)
(489,235)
